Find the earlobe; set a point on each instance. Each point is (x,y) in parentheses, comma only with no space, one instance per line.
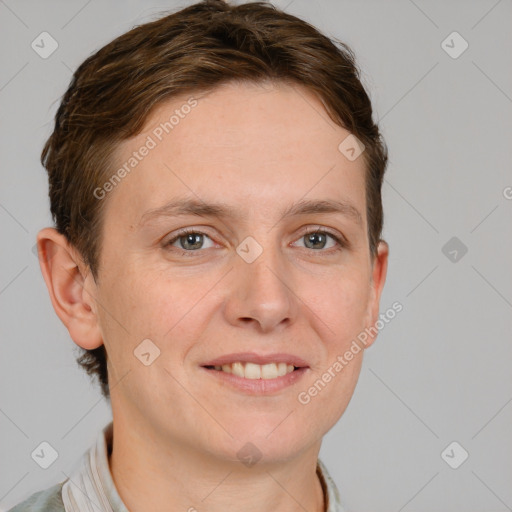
(379,272)
(65,277)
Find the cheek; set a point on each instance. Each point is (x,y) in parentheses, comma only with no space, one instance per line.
(151,306)
(324,399)
(340,304)
(340,315)
(129,311)
(136,309)
(342,385)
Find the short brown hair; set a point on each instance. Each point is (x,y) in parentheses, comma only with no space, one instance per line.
(196,49)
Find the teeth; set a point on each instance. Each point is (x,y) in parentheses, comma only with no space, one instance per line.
(257,371)
(238,369)
(252,371)
(269,371)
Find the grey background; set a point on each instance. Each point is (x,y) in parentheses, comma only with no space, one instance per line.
(439,372)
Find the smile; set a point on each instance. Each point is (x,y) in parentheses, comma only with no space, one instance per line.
(256,374)
(253,371)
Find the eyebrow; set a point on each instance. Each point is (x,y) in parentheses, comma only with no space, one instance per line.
(189,206)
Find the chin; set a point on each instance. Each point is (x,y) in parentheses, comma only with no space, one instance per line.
(270,439)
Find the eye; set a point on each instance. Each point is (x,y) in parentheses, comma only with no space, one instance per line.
(189,240)
(317,240)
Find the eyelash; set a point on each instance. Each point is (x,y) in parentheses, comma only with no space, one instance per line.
(342,244)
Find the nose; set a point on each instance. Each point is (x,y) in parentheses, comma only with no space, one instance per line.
(261,293)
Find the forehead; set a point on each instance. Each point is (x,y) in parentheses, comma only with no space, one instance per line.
(257,145)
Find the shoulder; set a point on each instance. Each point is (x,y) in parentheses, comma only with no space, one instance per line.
(47,500)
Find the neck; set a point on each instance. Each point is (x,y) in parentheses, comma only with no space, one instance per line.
(151,475)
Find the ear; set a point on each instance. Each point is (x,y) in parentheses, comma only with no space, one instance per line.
(379,271)
(66,278)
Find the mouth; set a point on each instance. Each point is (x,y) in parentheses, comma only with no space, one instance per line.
(255,373)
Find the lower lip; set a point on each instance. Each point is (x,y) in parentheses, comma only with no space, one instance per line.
(258,386)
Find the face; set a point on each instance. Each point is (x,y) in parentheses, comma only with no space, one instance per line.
(260,278)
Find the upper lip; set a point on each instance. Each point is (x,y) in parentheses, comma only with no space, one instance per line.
(251,357)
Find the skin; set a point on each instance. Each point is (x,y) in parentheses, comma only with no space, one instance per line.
(177,429)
